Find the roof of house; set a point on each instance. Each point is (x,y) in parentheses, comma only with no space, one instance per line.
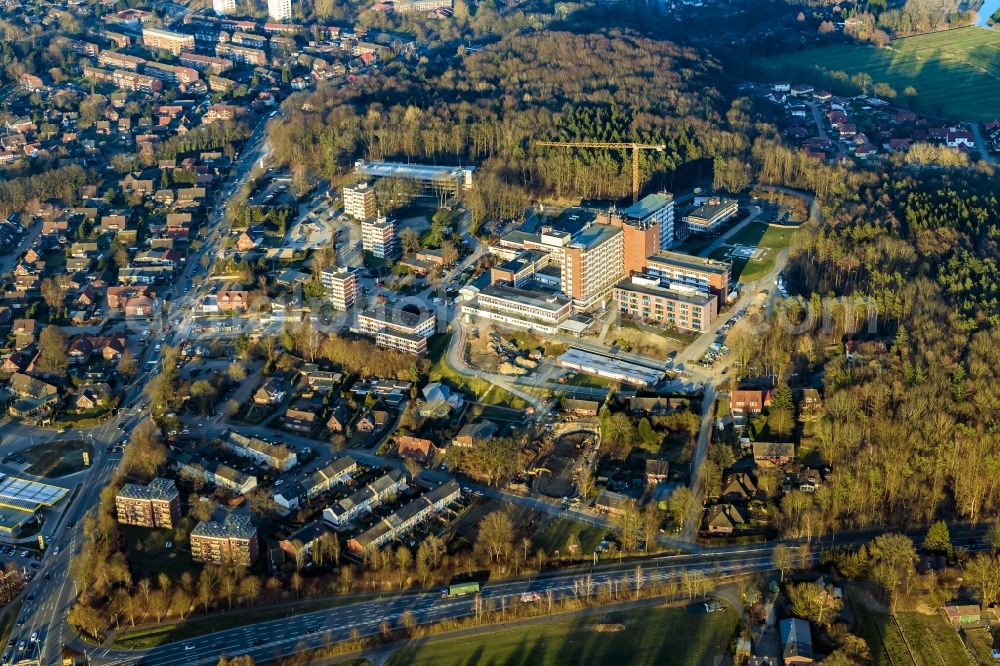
(796,638)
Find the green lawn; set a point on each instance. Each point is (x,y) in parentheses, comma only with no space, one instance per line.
(980,642)
(56,458)
(650,636)
(955,72)
(756,234)
(148,555)
(556,534)
(933,641)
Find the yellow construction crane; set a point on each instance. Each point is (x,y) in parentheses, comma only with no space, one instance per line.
(634,147)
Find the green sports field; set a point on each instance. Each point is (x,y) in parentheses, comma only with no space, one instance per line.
(956,73)
(650,636)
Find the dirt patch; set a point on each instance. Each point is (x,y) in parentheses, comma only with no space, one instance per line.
(608,628)
(647,343)
(567,453)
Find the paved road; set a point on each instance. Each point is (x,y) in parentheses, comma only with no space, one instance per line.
(280,637)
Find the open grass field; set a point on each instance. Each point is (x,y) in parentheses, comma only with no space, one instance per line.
(772,240)
(555,535)
(956,73)
(56,458)
(929,637)
(648,636)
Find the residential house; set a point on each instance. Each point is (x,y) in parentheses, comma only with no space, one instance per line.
(364,499)
(775,453)
(739,486)
(744,403)
(579,407)
(340,470)
(796,641)
(417,448)
(340,416)
(475,432)
(657,471)
(34,398)
(612,503)
(92,396)
(271,392)
(276,456)
(724,519)
(372,420)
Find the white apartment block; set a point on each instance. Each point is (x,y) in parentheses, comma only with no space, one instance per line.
(341,287)
(223,7)
(279,10)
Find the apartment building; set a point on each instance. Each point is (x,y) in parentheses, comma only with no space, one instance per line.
(710,215)
(167,40)
(592,263)
(243,54)
(136,82)
(707,275)
(115,60)
(685,308)
(398,329)
(171,73)
(223,7)
(378,236)
(519,308)
(157,504)
(204,63)
(279,10)
(232,542)
(276,456)
(359,201)
(341,287)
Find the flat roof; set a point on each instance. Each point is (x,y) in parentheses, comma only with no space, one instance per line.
(690,262)
(28,495)
(612,368)
(664,292)
(535,299)
(709,210)
(572,220)
(418,171)
(12,519)
(648,205)
(595,235)
(397,316)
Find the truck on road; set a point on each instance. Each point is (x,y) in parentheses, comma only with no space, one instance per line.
(460,589)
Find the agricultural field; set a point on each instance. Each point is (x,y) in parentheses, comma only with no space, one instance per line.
(644,636)
(956,73)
